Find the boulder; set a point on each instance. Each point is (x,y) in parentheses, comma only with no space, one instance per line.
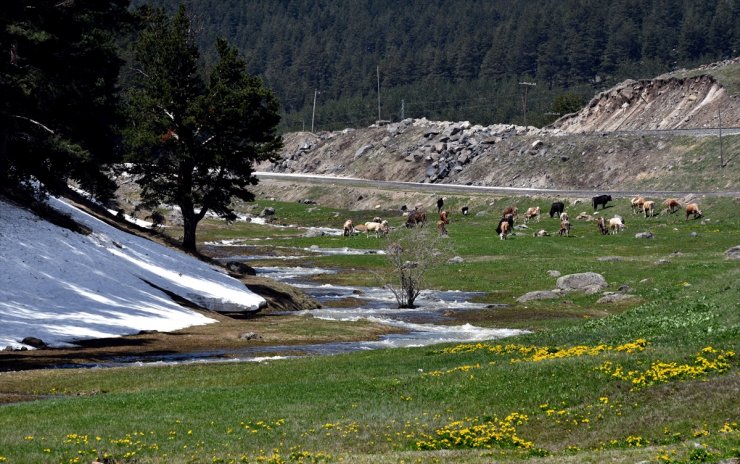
(537,295)
(240,268)
(733,253)
(269,211)
(644,235)
(588,282)
(34,342)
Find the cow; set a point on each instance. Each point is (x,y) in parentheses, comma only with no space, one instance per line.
(672,205)
(649,208)
(440,204)
(509,221)
(600,200)
(533,212)
(556,208)
(601,224)
(542,233)
(513,210)
(693,209)
(564,217)
(349,228)
(637,204)
(416,218)
(442,222)
(464,210)
(564,227)
(616,225)
(380,228)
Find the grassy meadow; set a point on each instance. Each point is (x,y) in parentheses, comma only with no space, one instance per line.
(649,379)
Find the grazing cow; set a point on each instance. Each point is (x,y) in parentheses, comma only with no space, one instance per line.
(564,217)
(465,210)
(442,222)
(601,224)
(349,228)
(637,204)
(649,208)
(509,221)
(616,225)
(440,204)
(533,212)
(378,219)
(542,233)
(672,205)
(600,200)
(693,208)
(380,228)
(564,227)
(359,228)
(556,208)
(513,210)
(416,218)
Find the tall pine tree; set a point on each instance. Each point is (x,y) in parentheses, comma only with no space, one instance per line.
(192,142)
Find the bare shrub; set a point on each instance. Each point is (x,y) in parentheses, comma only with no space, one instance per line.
(411,254)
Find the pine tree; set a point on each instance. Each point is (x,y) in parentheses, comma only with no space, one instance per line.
(192,142)
(58,77)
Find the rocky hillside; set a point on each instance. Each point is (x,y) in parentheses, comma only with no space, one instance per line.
(604,146)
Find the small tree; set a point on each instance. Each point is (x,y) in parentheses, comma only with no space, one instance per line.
(193,142)
(411,254)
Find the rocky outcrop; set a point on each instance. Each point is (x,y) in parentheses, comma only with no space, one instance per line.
(588,282)
(537,295)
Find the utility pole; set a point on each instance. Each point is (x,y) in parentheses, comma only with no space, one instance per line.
(526,85)
(313,114)
(377,70)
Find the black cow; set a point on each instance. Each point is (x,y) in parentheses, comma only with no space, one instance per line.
(465,210)
(508,218)
(557,208)
(600,200)
(440,204)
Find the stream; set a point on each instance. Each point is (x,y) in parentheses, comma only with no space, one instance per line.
(427,324)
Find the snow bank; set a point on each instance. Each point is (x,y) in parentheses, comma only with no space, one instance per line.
(61,286)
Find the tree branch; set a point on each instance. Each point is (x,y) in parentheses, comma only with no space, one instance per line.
(34,122)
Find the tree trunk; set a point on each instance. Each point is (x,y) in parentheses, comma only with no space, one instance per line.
(189,224)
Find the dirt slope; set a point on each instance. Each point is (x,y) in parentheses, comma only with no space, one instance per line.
(612,144)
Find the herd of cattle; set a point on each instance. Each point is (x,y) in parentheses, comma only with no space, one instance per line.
(614,225)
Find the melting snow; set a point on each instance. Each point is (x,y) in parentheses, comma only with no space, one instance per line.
(60,286)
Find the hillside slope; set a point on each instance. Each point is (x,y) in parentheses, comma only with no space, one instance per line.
(612,144)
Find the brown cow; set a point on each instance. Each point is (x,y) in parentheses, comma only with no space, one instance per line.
(637,204)
(416,218)
(513,210)
(649,208)
(601,224)
(533,212)
(693,208)
(564,228)
(443,220)
(672,205)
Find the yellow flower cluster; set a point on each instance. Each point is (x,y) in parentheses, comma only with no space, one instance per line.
(474,433)
(535,353)
(255,427)
(465,368)
(707,360)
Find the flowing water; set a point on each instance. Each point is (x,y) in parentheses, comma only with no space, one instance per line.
(431,322)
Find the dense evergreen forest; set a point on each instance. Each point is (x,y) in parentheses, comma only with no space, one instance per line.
(458,59)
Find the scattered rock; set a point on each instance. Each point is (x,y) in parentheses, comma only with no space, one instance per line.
(663,261)
(537,295)
(615,298)
(733,253)
(609,259)
(554,273)
(269,211)
(588,282)
(694,234)
(455,260)
(34,342)
(250,336)
(312,233)
(644,235)
(237,267)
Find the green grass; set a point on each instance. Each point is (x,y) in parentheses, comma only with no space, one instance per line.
(376,406)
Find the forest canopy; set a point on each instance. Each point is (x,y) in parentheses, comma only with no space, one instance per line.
(457,59)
